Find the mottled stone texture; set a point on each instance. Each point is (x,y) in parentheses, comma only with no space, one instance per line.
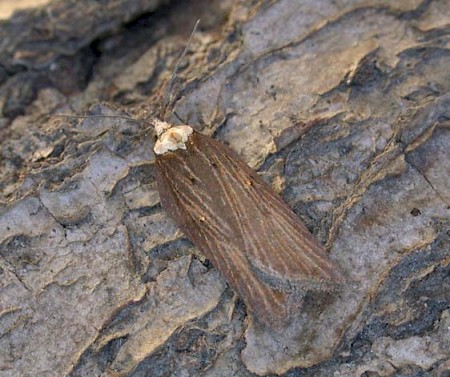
(343,106)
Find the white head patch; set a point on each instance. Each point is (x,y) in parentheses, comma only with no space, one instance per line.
(171,138)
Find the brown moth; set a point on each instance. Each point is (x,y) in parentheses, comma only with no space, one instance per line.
(238,222)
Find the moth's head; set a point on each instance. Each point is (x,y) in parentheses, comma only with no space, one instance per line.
(170,138)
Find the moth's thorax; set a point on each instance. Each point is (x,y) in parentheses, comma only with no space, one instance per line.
(160,126)
(170,138)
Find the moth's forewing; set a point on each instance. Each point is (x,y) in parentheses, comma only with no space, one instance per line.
(250,235)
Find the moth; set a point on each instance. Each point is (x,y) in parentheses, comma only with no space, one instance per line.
(238,222)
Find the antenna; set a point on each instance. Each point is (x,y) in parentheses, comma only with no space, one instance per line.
(69,116)
(167,98)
